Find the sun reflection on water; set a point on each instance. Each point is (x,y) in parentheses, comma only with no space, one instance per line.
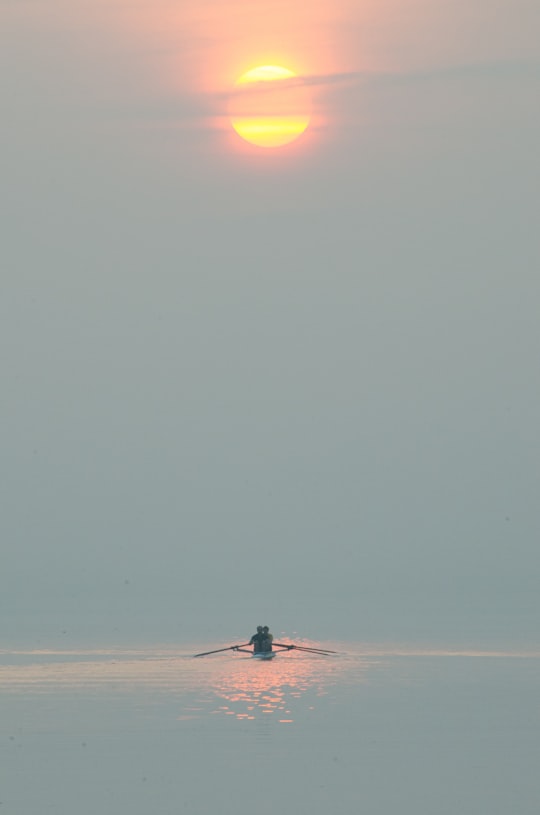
(251,687)
(229,684)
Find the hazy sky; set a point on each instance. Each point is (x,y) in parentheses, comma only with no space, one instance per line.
(298,387)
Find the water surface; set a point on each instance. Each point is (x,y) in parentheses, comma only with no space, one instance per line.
(376,729)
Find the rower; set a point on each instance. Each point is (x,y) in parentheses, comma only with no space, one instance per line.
(257,640)
(267,639)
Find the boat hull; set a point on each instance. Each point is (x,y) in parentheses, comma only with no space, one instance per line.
(264,655)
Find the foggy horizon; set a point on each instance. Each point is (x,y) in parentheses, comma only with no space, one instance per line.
(300,386)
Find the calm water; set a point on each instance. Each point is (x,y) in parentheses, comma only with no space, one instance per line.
(374,730)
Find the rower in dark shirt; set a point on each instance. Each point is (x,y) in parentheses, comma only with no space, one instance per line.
(257,640)
(267,639)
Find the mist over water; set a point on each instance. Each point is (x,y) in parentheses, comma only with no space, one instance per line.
(376,728)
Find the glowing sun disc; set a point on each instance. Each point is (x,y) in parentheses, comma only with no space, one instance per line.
(269,108)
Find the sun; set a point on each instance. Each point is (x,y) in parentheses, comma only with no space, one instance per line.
(269,107)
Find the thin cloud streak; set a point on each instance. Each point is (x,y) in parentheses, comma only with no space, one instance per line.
(201,107)
(500,69)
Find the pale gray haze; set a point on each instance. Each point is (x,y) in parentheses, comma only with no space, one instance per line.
(298,386)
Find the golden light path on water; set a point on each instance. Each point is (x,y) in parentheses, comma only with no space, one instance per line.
(229,684)
(232,684)
(252,686)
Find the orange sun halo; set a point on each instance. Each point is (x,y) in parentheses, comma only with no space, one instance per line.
(269,107)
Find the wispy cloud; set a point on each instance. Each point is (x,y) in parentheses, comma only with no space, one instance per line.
(189,108)
(488,70)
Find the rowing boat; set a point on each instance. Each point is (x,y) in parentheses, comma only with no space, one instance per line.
(254,654)
(279,647)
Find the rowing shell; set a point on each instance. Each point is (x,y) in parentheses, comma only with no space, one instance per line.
(280,646)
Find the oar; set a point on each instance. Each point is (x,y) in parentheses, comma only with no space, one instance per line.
(315,650)
(303,648)
(219,650)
